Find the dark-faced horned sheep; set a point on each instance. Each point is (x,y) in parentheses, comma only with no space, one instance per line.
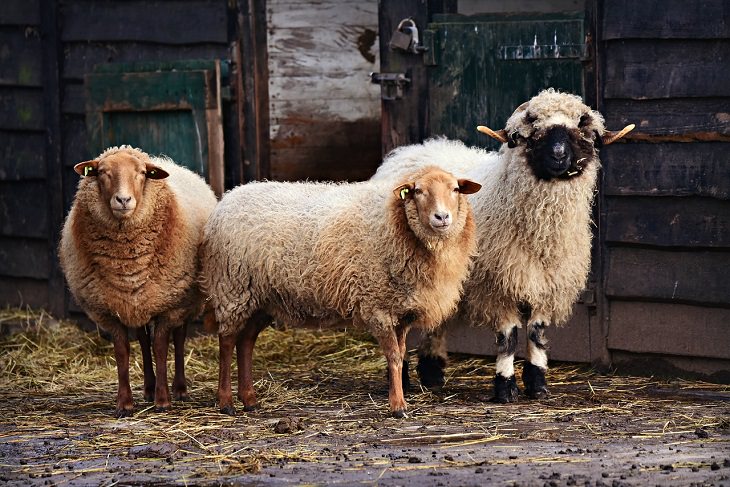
(533,220)
(129,251)
(386,256)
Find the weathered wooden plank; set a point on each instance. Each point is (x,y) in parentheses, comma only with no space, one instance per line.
(677,120)
(345,109)
(333,13)
(20,12)
(165,22)
(20,63)
(24,209)
(353,85)
(22,292)
(75,140)
(674,329)
(668,222)
(666,19)
(24,257)
(678,276)
(667,69)
(23,156)
(306,132)
(21,108)
(74,99)
(81,57)
(677,169)
(318,50)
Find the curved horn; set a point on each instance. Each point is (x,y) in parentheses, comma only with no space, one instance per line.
(610,137)
(500,135)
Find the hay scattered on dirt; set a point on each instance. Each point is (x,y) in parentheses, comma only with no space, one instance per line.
(59,384)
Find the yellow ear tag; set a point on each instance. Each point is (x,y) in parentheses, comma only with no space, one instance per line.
(403,193)
(87,170)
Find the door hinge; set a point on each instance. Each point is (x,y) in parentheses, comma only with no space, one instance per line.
(391,84)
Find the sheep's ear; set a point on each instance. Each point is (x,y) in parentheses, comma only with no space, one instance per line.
(154,172)
(610,137)
(404,191)
(467,186)
(87,168)
(500,135)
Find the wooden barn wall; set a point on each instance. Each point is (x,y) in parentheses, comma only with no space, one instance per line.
(666,190)
(26,191)
(324,112)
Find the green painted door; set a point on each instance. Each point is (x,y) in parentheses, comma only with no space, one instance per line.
(483,67)
(163,108)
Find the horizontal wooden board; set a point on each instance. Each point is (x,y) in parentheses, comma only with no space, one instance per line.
(687,277)
(353,85)
(295,132)
(667,69)
(73,101)
(679,169)
(164,22)
(21,109)
(673,367)
(20,292)
(343,110)
(668,222)
(23,156)
(24,257)
(20,62)
(20,12)
(322,50)
(674,329)
(323,13)
(75,140)
(81,57)
(676,19)
(24,208)
(685,118)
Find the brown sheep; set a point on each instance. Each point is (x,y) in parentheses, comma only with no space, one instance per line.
(129,251)
(318,253)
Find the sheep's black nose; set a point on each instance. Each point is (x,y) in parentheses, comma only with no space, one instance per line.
(442,217)
(123,200)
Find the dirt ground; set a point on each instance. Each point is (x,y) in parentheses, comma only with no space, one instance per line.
(324,420)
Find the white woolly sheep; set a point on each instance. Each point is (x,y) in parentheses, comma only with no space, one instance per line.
(313,254)
(533,220)
(129,251)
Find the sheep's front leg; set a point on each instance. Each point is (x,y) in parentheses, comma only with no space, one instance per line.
(389,343)
(505,385)
(143,336)
(225,398)
(432,358)
(244,353)
(121,355)
(179,385)
(405,378)
(533,373)
(162,393)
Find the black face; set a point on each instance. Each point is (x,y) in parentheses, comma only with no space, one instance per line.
(558,153)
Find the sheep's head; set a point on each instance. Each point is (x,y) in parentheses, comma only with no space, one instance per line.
(559,134)
(121,174)
(434,202)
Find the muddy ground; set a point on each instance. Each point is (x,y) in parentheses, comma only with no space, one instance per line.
(324,420)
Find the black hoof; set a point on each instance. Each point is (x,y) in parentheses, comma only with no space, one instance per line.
(431,371)
(181,396)
(399,414)
(534,379)
(229,410)
(123,413)
(505,389)
(162,409)
(251,408)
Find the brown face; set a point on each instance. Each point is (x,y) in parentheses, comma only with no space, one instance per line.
(121,178)
(436,194)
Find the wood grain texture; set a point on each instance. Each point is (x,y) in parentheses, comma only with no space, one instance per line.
(21,109)
(674,329)
(165,22)
(21,292)
(667,169)
(24,257)
(20,62)
(666,19)
(688,277)
(24,209)
(20,12)
(22,155)
(668,222)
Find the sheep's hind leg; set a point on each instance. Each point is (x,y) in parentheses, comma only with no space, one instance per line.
(162,393)
(533,372)
(389,343)
(179,385)
(244,353)
(432,357)
(124,391)
(225,398)
(505,385)
(143,336)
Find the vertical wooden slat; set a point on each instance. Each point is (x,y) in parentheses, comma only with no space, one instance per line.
(54,182)
(214,122)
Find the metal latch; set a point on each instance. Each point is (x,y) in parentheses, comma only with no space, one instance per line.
(406,38)
(391,84)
